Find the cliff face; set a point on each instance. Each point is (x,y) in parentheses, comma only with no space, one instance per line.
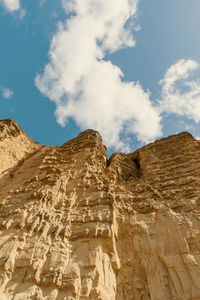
(76,226)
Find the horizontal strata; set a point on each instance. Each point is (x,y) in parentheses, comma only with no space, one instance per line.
(74,225)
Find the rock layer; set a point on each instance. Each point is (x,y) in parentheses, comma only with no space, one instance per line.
(76,226)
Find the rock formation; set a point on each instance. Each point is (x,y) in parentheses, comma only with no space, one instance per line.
(74,225)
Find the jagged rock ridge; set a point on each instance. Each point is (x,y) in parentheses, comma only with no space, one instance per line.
(76,226)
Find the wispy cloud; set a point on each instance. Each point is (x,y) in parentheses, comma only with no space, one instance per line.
(22,13)
(14,6)
(42,2)
(180,92)
(11,5)
(6,92)
(88,88)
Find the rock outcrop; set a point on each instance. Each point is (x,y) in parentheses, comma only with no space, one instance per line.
(74,225)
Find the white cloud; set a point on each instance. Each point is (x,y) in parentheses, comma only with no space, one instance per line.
(11,5)
(6,92)
(180,94)
(89,89)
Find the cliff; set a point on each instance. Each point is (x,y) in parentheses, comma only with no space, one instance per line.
(74,225)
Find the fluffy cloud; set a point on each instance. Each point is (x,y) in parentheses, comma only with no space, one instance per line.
(11,5)
(6,93)
(180,93)
(86,87)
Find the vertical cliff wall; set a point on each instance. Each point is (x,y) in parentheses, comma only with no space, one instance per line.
(76,226)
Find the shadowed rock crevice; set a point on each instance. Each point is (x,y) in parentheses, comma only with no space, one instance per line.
(124,166)
(137,163)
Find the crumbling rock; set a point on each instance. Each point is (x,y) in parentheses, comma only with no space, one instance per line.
(76,226)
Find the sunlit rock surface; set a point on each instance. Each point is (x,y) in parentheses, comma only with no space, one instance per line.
(74,225)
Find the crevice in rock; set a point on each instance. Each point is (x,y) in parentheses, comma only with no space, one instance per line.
(107,163)
(137,163)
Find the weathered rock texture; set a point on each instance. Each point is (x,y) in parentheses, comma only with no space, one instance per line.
(76,226)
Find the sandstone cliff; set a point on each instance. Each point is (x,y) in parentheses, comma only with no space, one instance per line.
(76,226)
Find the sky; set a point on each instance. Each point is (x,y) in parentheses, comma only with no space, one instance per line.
(129,69)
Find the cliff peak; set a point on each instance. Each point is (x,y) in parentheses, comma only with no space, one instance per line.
(8,127)
(15,145)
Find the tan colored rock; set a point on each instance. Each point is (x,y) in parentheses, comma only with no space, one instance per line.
(76,226)
(15,145)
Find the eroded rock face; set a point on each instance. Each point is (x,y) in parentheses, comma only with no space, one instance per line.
(76,226)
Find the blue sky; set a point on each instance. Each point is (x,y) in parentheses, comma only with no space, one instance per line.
(83,86)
